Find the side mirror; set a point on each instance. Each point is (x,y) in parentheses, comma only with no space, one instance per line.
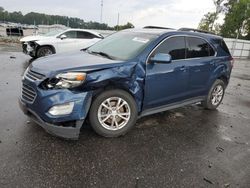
(161,58)
(63,37)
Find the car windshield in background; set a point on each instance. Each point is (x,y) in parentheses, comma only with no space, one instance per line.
(53,33)
(122,45)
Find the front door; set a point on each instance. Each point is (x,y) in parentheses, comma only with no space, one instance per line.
(167,83)
(69,43)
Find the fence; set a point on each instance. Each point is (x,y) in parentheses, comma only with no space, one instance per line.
(238,48)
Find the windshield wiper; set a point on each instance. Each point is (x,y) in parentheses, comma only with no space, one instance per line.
(101,54)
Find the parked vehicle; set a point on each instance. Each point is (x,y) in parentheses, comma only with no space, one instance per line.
(130,74)
(59,41)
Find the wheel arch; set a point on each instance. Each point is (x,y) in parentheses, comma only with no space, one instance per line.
(224,78)
(220,73)
(46,45)
(112,86)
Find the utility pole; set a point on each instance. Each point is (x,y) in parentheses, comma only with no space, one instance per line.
(236,40)
(101,10)
(118,20)
(34,30)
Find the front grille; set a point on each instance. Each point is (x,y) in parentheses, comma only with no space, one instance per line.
(32,75)
(24,45)
(28,93)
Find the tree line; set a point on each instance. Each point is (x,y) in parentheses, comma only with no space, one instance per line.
(236,19)
(34,18)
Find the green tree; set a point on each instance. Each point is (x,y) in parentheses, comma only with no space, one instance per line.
(122,27)
(236,22)
(38,19)
(207,23)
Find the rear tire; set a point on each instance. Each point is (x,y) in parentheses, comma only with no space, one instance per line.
(215,95)
(113,113)
(44,51)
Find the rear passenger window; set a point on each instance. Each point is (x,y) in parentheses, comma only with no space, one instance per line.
(198,48)
(174,46)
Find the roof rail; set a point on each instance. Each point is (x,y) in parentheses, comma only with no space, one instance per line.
(196,30)
(156,27)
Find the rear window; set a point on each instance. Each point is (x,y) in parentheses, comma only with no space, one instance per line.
(221,43)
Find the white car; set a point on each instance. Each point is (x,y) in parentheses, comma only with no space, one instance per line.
(59,42)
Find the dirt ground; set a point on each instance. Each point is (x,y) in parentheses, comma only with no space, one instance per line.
(186,147)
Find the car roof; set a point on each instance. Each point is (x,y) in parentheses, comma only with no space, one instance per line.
(162,31)
(199,34)
(150,31)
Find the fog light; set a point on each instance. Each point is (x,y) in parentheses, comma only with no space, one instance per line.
(62,109)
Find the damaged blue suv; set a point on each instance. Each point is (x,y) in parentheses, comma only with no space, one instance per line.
(130,74)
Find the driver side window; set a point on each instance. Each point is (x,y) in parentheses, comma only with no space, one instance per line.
(70,34)
(174,46)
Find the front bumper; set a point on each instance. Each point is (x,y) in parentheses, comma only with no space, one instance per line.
(66,126)
(56,130)
(29,50)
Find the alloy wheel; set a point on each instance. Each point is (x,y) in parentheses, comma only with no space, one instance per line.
(114,113)
(217,95)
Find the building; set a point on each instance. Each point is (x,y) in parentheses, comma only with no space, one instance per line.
(15,29)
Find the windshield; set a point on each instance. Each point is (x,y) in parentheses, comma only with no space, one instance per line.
(53,33)
(122,45)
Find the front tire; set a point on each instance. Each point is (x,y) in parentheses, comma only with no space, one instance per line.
(113,113)
(44,51)
(215,95)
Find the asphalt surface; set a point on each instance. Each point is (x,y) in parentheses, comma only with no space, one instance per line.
(186,147)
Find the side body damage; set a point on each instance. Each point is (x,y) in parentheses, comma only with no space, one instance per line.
(129,77)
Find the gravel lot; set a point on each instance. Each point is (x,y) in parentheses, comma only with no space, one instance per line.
(186,147)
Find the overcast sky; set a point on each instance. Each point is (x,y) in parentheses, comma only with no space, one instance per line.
(169,13)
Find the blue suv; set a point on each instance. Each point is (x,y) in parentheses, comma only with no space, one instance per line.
(130,74)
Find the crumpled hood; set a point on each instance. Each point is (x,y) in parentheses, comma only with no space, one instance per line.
(77,61)
(33,38)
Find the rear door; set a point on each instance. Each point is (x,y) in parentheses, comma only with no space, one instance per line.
(201,62)
(167,83)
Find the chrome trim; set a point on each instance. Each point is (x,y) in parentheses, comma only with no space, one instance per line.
(33,76)
(147,60)
(28,94)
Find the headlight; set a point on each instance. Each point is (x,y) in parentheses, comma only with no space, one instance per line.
(67,80)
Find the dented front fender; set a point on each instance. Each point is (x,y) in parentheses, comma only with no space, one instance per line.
(128,76)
